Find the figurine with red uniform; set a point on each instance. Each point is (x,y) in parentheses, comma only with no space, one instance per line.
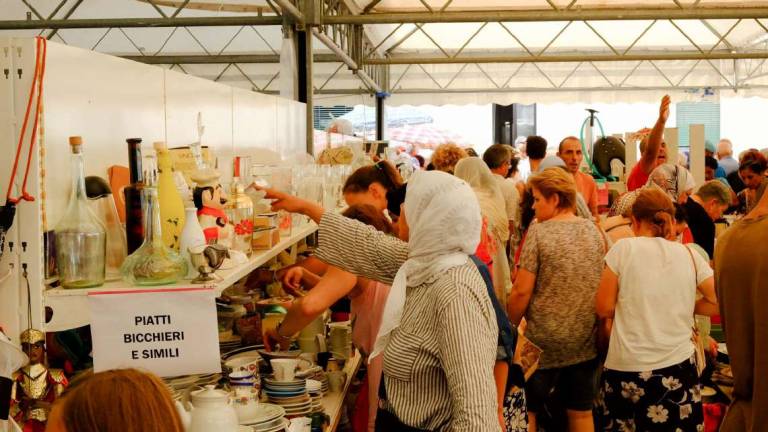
(35,386)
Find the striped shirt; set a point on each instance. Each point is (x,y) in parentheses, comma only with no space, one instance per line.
(438,366)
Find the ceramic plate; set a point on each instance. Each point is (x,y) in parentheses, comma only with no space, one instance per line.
(279,354)
(285,394)
(268,425)
(289,399)
(279,427)
(266,413)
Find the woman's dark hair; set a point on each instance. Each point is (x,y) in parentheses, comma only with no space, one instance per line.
(527,213)
(381,172)
(711,163)
(754,161)
(655,207)
(396,198)
(421,160)
(368,215)
(513,167)
(681,214)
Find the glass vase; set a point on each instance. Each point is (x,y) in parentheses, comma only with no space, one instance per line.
(153,263)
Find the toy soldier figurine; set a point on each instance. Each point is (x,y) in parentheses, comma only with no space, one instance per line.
(35,387)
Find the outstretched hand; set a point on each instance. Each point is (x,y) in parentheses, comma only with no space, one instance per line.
(293,204)
(666,101)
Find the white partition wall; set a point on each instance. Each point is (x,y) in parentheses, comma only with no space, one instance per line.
(105,100)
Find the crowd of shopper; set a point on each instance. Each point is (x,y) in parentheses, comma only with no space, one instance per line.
(443,270)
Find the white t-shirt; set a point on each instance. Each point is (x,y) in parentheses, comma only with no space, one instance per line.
(510,194)
(654,309)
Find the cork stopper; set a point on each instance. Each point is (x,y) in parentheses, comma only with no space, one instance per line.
(76,143)
(160,146)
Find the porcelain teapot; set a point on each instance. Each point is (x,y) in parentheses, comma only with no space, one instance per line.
(211,410)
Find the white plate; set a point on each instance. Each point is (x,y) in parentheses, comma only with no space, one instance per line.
(266,413)
(277,428)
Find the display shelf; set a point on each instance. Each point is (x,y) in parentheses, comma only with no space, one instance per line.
(70,306)
(334,402)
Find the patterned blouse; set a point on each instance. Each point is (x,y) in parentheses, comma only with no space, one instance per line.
(438,366)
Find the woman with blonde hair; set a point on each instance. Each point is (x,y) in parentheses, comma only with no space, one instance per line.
(125,400)
(476,173)
(555,290)
(479,177)
(650,381)
(446,156)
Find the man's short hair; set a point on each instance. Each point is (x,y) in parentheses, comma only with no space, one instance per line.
(496,156)
(715,189)
(711,162)
(536,147)
(568,138)
(725,147)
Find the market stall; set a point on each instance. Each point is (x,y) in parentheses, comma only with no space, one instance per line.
(163,257)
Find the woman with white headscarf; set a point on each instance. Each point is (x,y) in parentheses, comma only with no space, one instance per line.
(438,333)
(476,173)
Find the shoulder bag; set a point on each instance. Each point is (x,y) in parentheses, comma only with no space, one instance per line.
(698,346)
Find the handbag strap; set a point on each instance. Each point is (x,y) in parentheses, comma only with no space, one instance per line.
(695,268)
(507,332)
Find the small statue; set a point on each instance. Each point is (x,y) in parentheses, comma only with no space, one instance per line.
(210,199)
(35,387)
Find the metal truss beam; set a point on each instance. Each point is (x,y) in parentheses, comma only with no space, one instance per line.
(343,92)
(222,59)
(56,24)
(466,59)
(569,58)
(577,14)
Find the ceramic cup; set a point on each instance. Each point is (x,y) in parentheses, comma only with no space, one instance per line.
(243,383)
(246,406)
(284,369)
(246,363)
(336,381)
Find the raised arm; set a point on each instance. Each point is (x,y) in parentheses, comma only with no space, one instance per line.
(651,154)
(348,244)
(360,249)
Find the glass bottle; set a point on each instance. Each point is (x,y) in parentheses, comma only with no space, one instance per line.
(171,204)
(81,241)
(153,263)
(134,216)
(102,204)
(239,208)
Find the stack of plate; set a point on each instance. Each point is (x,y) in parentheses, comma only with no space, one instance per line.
(314,389)
(229,343)
(268,418)
(319,375)
(291,395)
(178,385)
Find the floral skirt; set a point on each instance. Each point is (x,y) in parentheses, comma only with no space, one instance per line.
(667,399)
(515,412)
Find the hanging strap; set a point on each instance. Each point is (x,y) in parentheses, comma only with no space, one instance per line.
(507,332)
(37,85)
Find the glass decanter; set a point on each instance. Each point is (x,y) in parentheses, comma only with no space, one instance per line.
(153,263)
(81,240)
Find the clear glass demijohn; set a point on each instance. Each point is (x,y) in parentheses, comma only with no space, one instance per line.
(81,239)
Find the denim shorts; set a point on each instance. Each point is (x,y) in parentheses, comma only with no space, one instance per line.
(576,385)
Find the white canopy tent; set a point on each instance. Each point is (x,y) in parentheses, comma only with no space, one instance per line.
(522,51)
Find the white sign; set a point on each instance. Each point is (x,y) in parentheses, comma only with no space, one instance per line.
(168,332)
